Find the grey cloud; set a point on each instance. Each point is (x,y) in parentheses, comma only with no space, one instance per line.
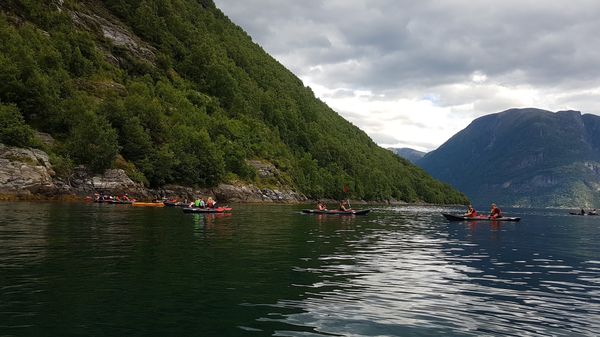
(421,43)
(382,138)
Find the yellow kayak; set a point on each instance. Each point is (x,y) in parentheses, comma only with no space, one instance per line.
(148,204)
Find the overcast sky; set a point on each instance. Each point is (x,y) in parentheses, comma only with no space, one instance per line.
(413,73)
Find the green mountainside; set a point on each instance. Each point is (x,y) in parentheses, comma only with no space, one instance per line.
(524,157)
(173,92)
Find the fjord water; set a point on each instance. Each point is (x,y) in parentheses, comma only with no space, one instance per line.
(115,270)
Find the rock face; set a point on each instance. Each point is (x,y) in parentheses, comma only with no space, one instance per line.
(27,173)
(252,193)
(24,171)
(264,169)
(113,181)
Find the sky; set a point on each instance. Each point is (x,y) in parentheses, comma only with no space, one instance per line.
(414,73)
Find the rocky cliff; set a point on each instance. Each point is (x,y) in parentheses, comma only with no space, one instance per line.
(28,174)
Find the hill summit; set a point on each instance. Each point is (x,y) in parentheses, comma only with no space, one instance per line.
(524,157)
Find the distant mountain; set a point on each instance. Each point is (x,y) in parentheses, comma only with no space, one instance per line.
(524,157)
(407,153)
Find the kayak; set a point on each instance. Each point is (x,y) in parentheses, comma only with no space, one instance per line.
(460,217)
(120,202)
(573,213)
(147,204)
(206,210)
(333,211)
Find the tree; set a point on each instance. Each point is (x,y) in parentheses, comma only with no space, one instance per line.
(13,130)
(93,142)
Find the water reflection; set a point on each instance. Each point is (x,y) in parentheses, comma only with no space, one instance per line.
(103,270)
(415,274)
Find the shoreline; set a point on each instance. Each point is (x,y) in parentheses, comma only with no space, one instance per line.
(26,174)
(80,199)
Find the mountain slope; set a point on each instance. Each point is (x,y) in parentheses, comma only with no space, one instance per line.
(524,157)
(174,92)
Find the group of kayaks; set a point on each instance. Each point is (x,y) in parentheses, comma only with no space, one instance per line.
(168,203)
(186,209)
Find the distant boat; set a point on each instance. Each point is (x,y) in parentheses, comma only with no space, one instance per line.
(460,217)
(206,209)
(579,213)
(148,204)
(336,212)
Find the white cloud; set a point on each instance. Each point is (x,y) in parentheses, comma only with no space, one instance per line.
(416,72)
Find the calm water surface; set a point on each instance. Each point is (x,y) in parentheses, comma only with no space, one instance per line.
(115,270)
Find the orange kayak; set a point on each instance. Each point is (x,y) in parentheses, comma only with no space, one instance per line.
(148,204)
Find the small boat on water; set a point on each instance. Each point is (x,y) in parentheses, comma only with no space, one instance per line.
(147,204)
(336,212)
(120,202)
(460,217)
(206,209)
(578,213)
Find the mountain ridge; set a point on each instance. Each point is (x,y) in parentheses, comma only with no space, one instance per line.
(523,157)
(407,153)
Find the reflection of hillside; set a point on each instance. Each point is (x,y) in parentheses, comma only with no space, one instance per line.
(23,238)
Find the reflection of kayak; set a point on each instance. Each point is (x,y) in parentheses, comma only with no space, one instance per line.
(148,204)
(175,204)
(457,217)
(333,211)
(206,210)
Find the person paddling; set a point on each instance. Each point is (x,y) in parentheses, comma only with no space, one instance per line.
(343,206)
(321,206)
(471,212)
(201,203)
(210,203)
(495,212)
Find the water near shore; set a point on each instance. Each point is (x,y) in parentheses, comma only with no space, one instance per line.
(115,270)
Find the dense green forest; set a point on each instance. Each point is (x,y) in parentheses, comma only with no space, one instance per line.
(188,100)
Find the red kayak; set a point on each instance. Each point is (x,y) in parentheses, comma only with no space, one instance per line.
(457,217)
(333,211)
(206,209)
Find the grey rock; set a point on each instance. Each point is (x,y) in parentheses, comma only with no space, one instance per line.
(24,170)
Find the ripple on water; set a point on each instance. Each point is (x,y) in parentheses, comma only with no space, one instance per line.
(410,277)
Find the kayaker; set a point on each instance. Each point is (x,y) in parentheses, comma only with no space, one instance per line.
(471,212)
(582,211)
(321,206)
(343,206)
(199,203)
(495,212)
(210,203)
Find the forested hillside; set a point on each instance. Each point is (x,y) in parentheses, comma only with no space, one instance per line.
(173,92)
